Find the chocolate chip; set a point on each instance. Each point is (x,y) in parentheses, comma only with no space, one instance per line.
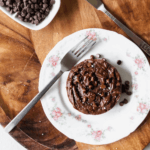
(40,4)
(126,86)
(92,78)
(11,11)
(98,55)
(30,19)
(28,16)
(38,14)
(28,81)
(118,84)
(127,82)
(2,3)
(119,62)
(129,93)
(18,1)
(43,16)
(36,22)
(91,57)
(107,81)
(15,9)
(35,17)
(21,18)
(104,59)
(8,8)
(89,64)
(32,6)
(121,103)
(123,88)
(36,6)
(52,2)
(125,101)
(23,13)
(25,20)
(90,86)
(32,12)
(45,1)
(47,10)
(34,1)
(21,5)
(84,99)
(45,6)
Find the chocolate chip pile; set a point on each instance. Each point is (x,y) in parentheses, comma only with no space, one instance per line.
(125,88)
(125,101)
(94,86)
(32,11)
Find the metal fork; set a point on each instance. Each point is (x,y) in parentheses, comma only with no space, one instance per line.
(68,61)
(98,4)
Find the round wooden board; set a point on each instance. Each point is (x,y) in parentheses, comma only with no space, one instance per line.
(20,66)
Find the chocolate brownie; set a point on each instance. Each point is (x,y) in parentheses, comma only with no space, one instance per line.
(94,86)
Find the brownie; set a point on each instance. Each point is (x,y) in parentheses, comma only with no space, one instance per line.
(94,86)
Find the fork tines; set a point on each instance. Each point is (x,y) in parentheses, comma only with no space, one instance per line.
(79,52)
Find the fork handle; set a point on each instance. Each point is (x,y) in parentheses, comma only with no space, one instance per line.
(137,40)
(28,107)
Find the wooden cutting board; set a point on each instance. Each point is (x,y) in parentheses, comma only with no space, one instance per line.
(22,52)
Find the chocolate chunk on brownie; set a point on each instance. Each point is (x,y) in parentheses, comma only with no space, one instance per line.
(94,86)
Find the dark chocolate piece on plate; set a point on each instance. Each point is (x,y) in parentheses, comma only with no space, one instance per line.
(119,62)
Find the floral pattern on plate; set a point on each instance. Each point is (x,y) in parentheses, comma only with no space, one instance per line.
(105,128)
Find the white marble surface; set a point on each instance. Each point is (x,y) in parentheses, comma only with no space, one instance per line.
(8,143)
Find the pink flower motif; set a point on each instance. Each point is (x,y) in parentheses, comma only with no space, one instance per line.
(56,113)
(69,114)
(105,39)
(53,74)
(139,62)
(55,118)
(91,35)
(128,54)
(132,118)
(139,109)
(97,135)
(78,117)
(142,108)
(53,99)
(53,60)
(58,109)
(94,133)
(136,73)
(54,63)
(109,128)
(89,126)
(135,86)
(98,138)
(137,96)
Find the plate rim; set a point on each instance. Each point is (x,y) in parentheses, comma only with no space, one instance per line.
(72,35)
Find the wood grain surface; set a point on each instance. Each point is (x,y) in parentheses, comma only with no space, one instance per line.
(22,52)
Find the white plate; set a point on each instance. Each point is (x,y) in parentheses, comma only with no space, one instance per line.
(43,24)
(117,123)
